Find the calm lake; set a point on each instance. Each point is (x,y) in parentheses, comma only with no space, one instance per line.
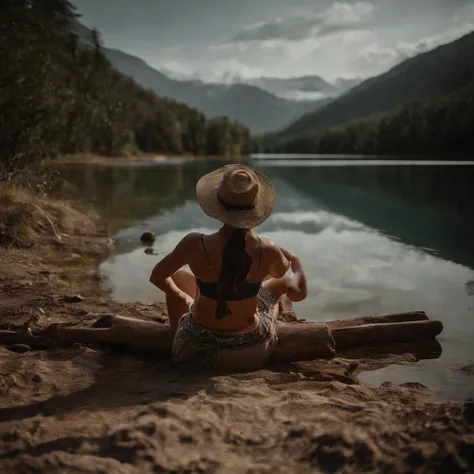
(374,237)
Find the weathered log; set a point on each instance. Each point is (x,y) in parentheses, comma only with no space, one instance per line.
(368,334)
(295,342)
(304,341)
(8,338)
(117,330)
(384,318)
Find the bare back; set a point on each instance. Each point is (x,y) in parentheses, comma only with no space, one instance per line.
(206,263)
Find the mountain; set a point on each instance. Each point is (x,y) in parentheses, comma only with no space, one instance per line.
(343,84)
(443,125)
(248,104)
(252,106)
(440,71)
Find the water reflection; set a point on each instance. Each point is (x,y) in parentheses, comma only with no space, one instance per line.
(372,239)
(430,207)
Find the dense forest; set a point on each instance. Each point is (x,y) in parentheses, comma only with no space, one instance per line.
(59,96)
(445,124)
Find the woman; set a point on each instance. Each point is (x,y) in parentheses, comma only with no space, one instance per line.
(223,312)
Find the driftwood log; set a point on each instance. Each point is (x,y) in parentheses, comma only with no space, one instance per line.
(300,341)
(296,341)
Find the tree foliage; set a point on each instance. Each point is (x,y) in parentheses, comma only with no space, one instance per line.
(60,96)
(442,125)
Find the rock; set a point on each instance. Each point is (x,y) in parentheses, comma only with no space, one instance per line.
(37,378)
(20,348)
(73,299)
(148,237)
(151,251)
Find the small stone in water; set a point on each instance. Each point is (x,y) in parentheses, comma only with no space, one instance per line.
(151,251)
(148,237)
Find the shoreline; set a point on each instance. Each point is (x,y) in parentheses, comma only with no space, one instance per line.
(143,158)
(92,409)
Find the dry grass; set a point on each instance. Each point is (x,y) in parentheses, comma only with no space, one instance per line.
(26,218)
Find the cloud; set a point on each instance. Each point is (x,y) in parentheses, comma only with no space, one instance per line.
(230,70)
(326,56)
(177,70)
(225,71)
(338,17)
(374,59)
(364,50)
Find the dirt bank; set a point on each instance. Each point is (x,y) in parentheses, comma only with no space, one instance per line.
(88,409)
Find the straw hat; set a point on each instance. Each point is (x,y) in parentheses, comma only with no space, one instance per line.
(237,195)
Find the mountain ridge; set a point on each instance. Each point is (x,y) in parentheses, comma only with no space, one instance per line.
(442,70)
(262,111)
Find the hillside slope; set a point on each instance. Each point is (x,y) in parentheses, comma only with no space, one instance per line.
(442,70)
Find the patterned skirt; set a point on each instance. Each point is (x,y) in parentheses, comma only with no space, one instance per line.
(199,346)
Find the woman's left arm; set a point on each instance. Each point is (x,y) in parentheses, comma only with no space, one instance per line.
(178,258)
(297,287)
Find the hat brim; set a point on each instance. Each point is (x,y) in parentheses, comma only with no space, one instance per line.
(206,194)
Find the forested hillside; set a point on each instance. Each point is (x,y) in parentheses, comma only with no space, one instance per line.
(440,71)
(59,96)
(442,125)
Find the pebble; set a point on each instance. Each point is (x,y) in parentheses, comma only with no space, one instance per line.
(20,348)
(148,237)
(151,251)
(73,299)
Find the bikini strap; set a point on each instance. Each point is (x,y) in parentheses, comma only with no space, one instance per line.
(205,251)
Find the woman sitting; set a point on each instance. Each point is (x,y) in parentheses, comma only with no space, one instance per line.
(223,312)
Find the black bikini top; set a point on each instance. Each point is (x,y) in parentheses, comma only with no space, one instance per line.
(209,289)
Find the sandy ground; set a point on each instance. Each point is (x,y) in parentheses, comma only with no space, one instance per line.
(88,409)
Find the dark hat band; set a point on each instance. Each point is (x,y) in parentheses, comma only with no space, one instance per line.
(235,207)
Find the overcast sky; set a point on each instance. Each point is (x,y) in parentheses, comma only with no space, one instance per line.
(221,39)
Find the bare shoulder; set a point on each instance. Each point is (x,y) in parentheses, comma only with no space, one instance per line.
(270,247)
(188,242)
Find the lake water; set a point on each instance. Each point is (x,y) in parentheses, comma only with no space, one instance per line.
(374,236)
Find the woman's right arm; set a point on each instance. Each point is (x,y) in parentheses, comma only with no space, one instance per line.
(178,258)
